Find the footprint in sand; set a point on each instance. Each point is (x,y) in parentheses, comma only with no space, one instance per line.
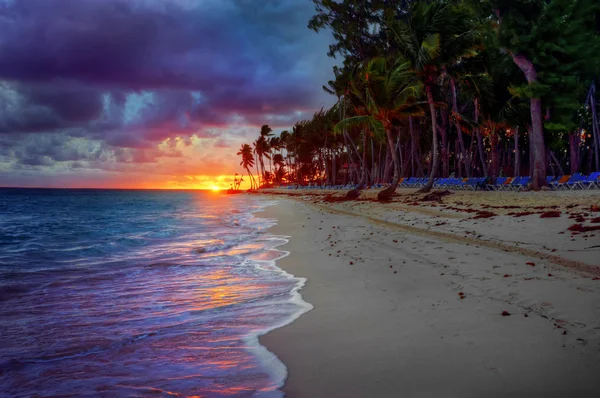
(490,367)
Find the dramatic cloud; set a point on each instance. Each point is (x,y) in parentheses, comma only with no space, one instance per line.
(115,85)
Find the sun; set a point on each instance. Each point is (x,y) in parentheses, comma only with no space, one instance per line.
(215,188)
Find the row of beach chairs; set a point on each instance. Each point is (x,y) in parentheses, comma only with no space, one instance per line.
(342,187)
(565,182)
(576,181)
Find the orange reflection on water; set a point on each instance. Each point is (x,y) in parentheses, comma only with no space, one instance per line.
(243,249)
(218,288)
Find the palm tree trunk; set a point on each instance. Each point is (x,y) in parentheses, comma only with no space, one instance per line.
(481,151)
(257,173)
(379,168)
(465,155)
(373,171)
(494,166)
(413,145)
(457,159)
(435,161)
(333,169)
(387,166)
(595,126)
(517,154)
(480,148)
(444,149)
(250,176)
(399,151)
(387,193)
(363,177)
(355,193)
(327,170)
(574,139)
(537,146)
(558,165)
(262,167)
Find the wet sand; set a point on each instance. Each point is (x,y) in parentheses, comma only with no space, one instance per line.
(409,300)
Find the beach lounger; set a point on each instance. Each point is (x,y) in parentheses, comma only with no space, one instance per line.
(499,182)
(474,183)
(514,185)
(590,182)
(449,183)
(505,186)
(574,181)
(482,183)
(521,183)
(570,182)
(559,182)
(443,182)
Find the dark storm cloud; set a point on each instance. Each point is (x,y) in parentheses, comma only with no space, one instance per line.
(230,51)
(133,73)
(26,107)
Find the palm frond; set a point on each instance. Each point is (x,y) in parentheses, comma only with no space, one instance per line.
(351,122)
(428,51)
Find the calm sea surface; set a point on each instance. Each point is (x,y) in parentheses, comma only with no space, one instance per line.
(139,293)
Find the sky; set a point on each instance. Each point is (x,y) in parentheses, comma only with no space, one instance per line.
(150,93)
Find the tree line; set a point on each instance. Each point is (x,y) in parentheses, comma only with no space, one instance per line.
(446,87)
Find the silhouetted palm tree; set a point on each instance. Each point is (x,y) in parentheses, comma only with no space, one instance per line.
(247,162)
(387,91)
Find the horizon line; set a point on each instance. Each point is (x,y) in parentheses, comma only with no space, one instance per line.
(119,189)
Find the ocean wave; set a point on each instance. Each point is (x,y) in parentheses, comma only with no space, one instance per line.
(178,284)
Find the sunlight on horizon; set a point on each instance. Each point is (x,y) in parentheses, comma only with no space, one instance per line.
(205,182)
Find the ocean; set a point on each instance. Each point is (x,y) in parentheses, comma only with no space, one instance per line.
(140,293)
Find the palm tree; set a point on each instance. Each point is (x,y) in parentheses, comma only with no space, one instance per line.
(262,148)
(284,139)
(388,91)
(279,166)
(247,162)
(435,37)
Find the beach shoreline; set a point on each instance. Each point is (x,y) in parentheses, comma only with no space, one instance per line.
(404,312)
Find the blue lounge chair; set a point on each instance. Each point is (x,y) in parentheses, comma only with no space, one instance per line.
(560,181)
(505,185)
(521,183)
(574,179)
(590,182)
(499,182)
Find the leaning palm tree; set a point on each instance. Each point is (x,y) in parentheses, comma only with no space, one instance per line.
(247,162)
(263,149)
(388,91)
(435,37)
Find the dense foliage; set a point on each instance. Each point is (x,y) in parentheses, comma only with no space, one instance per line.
(447,87)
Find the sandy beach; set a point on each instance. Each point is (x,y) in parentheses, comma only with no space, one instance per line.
(429,299)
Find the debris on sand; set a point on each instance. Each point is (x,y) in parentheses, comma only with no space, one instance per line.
(484,214)
(353,194)
(581,228)
(435,196)
(550,214)
(520,214)
(386,195)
